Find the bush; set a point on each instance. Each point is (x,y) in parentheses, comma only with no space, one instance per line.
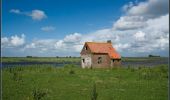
(69,66)
(94,93)
(71,72)
(38,94)
(132,69)
(148,74)
(29,56)
(16,77)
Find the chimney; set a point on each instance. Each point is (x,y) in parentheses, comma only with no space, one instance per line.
(109,41)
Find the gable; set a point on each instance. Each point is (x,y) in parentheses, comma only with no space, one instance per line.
(85,49)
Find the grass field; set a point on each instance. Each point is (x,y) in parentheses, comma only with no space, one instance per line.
(41,59)
(44,82)
(72,59)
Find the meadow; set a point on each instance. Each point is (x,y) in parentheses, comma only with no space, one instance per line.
(70,59)
(46,82)
(41,59)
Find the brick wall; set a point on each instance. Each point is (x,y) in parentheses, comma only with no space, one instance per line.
(100,63)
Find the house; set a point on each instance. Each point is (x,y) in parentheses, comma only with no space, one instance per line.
(99,55)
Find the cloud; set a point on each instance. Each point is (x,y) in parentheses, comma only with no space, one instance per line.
(34,14)
(13,41)
(130,23)
(149,8)
(48,28)
(133,34)
(137,14)
(75,37)
(152,38)
(139,36)
(37,14)
(16,11)
(59,44)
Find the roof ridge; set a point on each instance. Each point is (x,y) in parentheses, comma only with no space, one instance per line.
(97,42)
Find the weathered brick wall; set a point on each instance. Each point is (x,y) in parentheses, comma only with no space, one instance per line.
(105,61)
(116,63)
(86,56)
(86,61)
(84,51)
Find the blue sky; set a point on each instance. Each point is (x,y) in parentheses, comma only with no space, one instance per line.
(68,16)
(60,27)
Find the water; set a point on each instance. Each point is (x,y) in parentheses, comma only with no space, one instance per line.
(148,63)
(55,64)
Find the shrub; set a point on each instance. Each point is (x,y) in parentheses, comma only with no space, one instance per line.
(163,69)
(29,56)
(139,67)
(16,76)
(148,74)
(71,72)
(38,94)
(66,66)
(10,70)
(94,93)
(132,69)
(69,66)
(49,68)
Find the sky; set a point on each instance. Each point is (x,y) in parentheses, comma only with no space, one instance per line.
(49,28)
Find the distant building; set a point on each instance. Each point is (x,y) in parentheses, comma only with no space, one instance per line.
(99,55)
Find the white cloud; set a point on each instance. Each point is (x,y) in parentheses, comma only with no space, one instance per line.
(17,11)
(120,47)
(149,8)
(139,35)
(13,41)
(4,40)
(17,41)
(34,14)
(75,37)
(130,23)
(145,26)
(48,28)
(37,14)
(59,44)
(159,24)
(138,32)
(32,45)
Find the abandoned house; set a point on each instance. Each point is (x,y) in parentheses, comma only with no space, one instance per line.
(99,55)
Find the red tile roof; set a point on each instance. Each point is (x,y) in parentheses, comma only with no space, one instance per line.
(97,47)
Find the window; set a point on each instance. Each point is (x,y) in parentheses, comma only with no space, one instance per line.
(99,60)
(86,48)
(113,60)
(83,60)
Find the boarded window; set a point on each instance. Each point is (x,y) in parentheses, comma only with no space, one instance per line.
(99,60)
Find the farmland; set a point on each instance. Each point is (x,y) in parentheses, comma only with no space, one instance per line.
(70,82)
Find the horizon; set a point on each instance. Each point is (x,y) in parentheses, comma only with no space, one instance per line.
(61,27)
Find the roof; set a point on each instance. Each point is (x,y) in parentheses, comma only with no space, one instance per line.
(97,47)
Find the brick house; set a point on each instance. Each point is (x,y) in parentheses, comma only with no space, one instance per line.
(99,55)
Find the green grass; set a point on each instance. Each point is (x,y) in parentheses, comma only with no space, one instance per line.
(40,59)
(72,59)
(143,58)
(44,82)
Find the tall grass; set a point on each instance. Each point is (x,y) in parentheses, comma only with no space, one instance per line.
(73,83)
